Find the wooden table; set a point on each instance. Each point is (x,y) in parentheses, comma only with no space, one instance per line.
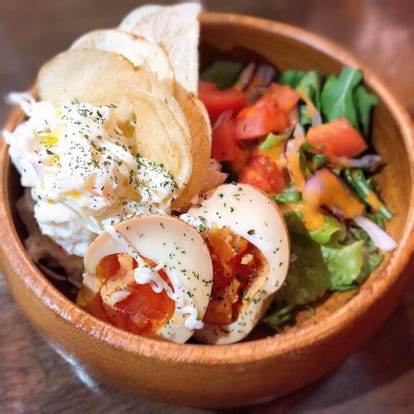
(377,379)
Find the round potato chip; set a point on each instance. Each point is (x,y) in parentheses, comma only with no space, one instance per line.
(191,114)
(106,78)
(176,28)
(200,130)
(136,49)
(89,75)
(160,137)
(131,19)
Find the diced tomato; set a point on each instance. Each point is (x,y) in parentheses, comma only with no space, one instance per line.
(218,101)
(284,96)
(269,114)
(258,120)
(337,138)
(204,86)
(237,165)
(224,147)
(261,172)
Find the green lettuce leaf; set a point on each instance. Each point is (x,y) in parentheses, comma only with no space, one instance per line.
(344,262)
(308,276)
(291,77)
(271,141)
(288,197)
(364,102)
(337,100)
(331,229)
(311,85)
(349,264)
(372,257)
(307,83)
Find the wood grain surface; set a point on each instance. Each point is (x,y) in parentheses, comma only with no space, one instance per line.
(376,379)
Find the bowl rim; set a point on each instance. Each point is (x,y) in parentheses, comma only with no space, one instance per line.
(250,351)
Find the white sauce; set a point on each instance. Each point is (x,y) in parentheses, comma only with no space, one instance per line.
(83,171)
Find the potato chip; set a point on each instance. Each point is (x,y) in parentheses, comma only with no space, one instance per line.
(136,49)
(131,19)
(105,78)
(91,76)
(115,67)
(200,130)
(160,137)
(191,114)
(176,29)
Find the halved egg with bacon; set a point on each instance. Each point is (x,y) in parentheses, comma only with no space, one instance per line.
(151,275)
(249,246)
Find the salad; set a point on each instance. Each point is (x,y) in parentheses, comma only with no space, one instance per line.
(303,138)
(182,207)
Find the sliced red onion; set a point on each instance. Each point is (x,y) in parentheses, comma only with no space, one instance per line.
(294,115)
(293,145)
(312,112)
(260,82)
(316,118)
(266,73)
(324,189)
(245,76)
(314,186)
(298,135)
(291,152)
(367,161)
(379,236)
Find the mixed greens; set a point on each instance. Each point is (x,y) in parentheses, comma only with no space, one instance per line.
(318,165)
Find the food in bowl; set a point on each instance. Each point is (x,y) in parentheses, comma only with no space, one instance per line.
(103,106)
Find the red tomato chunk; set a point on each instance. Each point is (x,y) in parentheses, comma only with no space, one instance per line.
(270,113)
(218,101)
(338,138)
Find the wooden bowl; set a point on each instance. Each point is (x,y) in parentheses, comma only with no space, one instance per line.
(257,369)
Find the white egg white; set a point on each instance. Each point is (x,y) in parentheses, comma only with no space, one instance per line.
(177,249)
(251,214)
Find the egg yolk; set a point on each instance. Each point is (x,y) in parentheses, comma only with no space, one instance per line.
(142,311)
(236,263)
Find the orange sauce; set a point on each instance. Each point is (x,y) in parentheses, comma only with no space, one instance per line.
(334,195)
(312,218)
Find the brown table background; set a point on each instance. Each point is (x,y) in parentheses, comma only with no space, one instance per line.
(377,379)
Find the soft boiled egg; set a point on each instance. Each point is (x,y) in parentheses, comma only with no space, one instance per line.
(151,275)
(249,247)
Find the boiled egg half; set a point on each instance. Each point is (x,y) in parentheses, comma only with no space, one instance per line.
(249,247)
(151,275)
